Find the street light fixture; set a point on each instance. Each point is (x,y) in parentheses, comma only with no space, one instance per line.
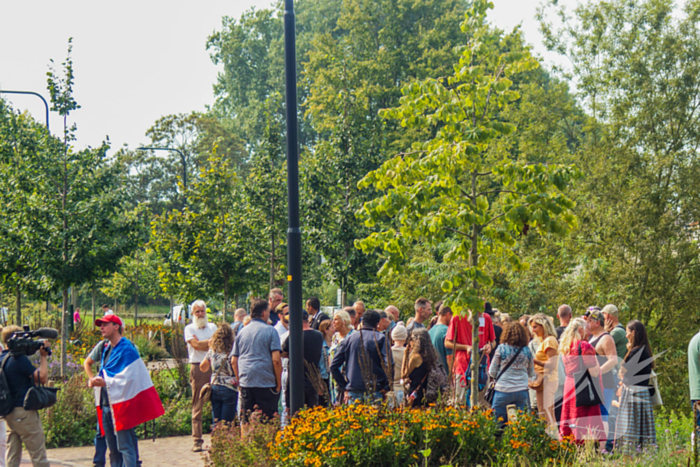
(32,93)
(184,161)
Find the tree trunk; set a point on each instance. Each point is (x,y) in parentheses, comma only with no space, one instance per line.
(272,256)
(136,301)
(94,317)
(474,256)
(18,304)
(225,295)
(64,332)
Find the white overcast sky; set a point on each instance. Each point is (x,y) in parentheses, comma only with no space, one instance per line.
(136,61)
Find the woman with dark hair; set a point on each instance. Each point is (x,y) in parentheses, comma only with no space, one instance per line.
(635,430)
(224,386)
(512,367)
(421,358)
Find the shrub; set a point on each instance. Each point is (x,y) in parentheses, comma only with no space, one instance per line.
(73,419)
(229,449)
(525,442)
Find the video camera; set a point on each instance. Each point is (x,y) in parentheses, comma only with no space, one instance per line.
(24,343)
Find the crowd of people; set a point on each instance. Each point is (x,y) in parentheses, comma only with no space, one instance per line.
(590,378)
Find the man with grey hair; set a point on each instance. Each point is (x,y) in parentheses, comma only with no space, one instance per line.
(276,297)
(197,336)
(359,307)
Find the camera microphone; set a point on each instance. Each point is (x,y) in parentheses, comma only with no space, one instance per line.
(46,333)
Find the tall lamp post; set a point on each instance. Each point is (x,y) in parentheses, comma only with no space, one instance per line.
(296,335)
(32,93)
(182,156)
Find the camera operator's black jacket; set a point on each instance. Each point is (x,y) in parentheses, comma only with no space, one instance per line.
(18,371)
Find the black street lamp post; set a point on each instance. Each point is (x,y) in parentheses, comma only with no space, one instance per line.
(182,156)
(296,335)
(32,93)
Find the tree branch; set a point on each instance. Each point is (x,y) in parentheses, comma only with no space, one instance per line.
(456,231)
(499,191)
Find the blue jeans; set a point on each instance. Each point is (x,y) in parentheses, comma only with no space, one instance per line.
(100,448)
(364,397)
(502,400)
(224,401)
(123,444)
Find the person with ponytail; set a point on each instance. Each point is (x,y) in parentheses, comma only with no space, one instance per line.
(581,422)
(635,430)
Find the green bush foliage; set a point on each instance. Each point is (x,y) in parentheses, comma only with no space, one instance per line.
(229,449)
(73,420)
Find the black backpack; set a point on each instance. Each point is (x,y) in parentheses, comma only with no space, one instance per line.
(7,403)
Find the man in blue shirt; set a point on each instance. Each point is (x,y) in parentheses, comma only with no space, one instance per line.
(24,425)
(257,363)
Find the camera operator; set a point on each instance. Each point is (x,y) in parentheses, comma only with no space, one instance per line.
(24,425)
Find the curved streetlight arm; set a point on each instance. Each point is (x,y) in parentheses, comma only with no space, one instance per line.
(46,104)
(182,155)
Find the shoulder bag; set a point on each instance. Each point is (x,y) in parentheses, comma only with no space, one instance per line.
(588,389)
(39,397)
(205,392)
(491,388)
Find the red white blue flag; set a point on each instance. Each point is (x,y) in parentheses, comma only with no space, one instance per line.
(132,397)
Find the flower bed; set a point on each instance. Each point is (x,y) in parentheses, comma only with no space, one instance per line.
(369,436)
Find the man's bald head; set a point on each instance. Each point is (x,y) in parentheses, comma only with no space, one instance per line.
(392,310)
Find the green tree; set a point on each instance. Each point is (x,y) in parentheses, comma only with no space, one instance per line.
(78,221)
(459,183)
(204,250)
(353,71)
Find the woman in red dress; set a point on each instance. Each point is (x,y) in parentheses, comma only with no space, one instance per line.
(582,422)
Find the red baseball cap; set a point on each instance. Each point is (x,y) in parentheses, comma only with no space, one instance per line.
(109,319)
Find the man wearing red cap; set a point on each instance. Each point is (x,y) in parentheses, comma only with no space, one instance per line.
(123,444)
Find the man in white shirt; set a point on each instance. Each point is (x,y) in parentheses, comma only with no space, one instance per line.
(282,328)
(197,336)
(106,310)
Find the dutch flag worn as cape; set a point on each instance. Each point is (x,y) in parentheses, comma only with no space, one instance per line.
(132,397)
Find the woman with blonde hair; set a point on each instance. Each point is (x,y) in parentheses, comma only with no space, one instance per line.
(343,328)
(580,421)
(224,386)
(546,365)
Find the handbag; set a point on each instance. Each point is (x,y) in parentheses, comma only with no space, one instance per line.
(205,392)
(491,387)
(39,397)
(656,398)
(587,390)
(537,384)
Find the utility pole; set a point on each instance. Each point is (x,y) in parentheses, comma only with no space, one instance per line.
(296,335)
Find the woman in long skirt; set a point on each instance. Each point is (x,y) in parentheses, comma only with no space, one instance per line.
(635,431)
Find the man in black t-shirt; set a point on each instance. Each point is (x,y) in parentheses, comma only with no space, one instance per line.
(313,350)
(24,425)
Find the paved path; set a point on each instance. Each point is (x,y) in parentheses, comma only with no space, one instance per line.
(173,452)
